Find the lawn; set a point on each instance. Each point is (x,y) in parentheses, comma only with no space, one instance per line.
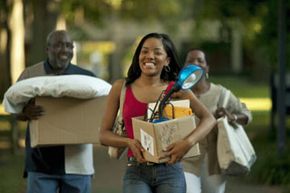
(243,87)
(11,167)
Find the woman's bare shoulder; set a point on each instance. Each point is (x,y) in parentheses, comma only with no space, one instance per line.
(117,85)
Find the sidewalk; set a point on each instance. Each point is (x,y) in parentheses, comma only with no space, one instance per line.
(108,178)
(235,185)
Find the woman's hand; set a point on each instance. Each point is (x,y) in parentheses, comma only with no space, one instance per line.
(221,111)
(177,150)
(137,149)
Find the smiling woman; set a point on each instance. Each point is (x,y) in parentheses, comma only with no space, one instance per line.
(154,69)
(153,57)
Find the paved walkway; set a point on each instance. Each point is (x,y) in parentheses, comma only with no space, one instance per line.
(238,186)
(109,174)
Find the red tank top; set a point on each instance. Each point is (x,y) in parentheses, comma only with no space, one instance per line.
(134,108)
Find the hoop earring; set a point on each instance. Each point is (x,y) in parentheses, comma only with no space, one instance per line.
(167,68)
(207,76)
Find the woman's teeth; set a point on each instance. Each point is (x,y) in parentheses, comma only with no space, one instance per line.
(149,64)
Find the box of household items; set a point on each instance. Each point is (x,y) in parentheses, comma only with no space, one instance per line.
(156,136)
(67,121)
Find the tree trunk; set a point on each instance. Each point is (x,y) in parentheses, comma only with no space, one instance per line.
(45,15)
(5,77)
(16,24)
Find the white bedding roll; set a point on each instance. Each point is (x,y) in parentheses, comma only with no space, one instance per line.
(75,86)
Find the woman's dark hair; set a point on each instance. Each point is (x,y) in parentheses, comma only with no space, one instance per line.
(195,49)
(134,71)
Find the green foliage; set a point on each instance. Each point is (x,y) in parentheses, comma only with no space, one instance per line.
(270,169)
(99,11)
(242,86)
(242,9)
(2,4)
(259,19)
(269,34)
(150,9)
(93,11)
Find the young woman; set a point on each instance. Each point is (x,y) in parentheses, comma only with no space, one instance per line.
(154,68)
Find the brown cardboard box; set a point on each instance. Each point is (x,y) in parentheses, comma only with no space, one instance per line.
(67,121)
(155,137)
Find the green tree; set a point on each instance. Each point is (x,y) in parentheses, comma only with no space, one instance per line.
(86,18)
(260,38)
(43,17)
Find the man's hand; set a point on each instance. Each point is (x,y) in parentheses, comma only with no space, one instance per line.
(32,111)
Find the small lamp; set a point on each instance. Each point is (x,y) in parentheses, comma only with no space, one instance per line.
(187,78)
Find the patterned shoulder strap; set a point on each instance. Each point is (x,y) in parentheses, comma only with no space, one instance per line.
(122,98)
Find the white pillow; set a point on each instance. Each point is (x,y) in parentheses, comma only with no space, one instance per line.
(75,86)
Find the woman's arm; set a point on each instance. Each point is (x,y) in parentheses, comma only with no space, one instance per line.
(207,121)
(106,136)
(235,110)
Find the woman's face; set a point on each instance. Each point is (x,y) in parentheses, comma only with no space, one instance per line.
(153,57)
(198,58)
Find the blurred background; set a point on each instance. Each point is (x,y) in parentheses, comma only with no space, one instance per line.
(247,48)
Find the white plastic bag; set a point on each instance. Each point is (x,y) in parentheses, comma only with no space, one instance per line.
(235,152)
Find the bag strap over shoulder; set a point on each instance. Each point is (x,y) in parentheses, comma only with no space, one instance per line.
(224,98)
(122,98)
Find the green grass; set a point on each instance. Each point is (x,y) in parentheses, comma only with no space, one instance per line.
(243,87)
(11,167)
(270,167)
